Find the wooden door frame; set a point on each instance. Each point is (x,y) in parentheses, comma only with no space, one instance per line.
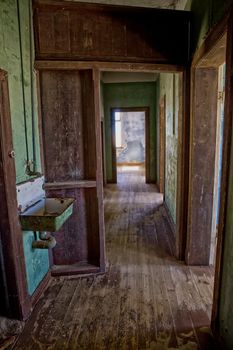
(18,300)
(162,143)
(201,58)
(147,138)
(183,132)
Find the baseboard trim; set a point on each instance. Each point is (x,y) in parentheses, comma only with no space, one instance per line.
(40,289)
(75,269)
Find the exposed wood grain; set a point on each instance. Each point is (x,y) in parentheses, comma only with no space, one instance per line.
(69,184)
(202,146)
(15,301)
(62,125)
(99,168)
(70,157)
(162,145)
(146,299)
(107,66)
(102,32)
(89,126)
(183,163)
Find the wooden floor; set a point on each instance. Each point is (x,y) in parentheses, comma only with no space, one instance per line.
(146,300)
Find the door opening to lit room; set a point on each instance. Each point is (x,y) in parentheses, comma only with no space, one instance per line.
(129,143)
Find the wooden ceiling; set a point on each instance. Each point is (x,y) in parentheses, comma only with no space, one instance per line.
(166,4)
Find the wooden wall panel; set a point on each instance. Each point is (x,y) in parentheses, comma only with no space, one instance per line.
(62,125)
(70,152)
(203,145)
(89,133)
(69,30)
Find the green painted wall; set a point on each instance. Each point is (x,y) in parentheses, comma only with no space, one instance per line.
(37,262)
(130,95)
(14,19)
(205,14)
(166,84)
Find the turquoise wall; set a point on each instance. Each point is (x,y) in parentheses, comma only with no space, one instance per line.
(37,262)
(166,83)
(130,95)
(15,27)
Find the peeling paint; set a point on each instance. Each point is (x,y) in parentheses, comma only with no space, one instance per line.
(166,88)
(10,60)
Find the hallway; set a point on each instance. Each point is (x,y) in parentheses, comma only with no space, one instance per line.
(146,300)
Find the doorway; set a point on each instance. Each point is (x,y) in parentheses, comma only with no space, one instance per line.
(130,140)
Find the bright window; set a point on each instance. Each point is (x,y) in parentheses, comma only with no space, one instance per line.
(118,130)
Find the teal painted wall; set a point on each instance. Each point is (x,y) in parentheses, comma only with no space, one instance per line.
(205,14)
(172,110)
(130,95)
(37,262)
(12,59)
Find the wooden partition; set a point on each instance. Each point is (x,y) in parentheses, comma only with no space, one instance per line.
(81,31)
(15,301)
(71,142)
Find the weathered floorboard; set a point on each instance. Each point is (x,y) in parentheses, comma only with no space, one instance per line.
(146,300)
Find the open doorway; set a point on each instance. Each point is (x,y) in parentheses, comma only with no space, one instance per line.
(130,142)
(151,106)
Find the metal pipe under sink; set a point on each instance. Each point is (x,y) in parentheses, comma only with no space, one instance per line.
(46,241)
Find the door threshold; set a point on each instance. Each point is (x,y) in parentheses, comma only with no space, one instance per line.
(74,269)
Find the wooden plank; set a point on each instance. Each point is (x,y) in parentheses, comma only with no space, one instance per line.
(74,269)
(107,66)
(88,117)
(183,164)
(203,141)
(87,33)
(69,184)
(146,299)
(62,125)
(162,143)
(16,302)
(71,150)
(99,172)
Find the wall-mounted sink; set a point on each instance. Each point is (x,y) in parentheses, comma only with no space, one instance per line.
(48,214)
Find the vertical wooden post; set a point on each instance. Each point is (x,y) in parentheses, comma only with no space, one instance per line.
(11,236)
(99,173)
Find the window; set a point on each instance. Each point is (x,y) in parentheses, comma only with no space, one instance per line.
(118,130)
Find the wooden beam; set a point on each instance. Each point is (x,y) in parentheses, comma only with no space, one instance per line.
(107,66)
(69,184)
